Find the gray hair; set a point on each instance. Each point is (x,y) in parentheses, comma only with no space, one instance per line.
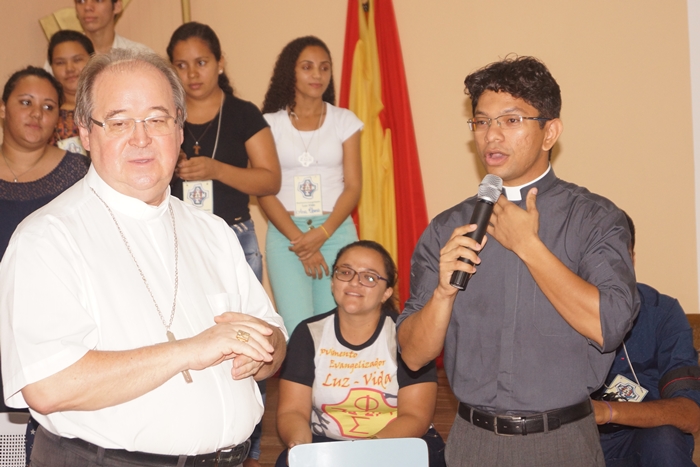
(122,59)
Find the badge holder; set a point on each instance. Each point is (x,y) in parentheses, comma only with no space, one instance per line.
(200,194)
(72,144)
(623,389)
(307,196)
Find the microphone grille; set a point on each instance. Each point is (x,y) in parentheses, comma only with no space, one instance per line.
(490,188)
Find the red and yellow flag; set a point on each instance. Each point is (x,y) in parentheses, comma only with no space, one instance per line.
(392,206)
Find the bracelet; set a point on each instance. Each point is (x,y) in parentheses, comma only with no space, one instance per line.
(611,412)
(324,229)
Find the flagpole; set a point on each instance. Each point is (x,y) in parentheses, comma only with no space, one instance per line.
(186,11)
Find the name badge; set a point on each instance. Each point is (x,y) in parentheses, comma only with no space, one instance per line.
(200,194)
(626,389)
(307,195)
(72,144)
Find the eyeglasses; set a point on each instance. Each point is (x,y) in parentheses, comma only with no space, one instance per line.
(161,125)
(368,279)
(506,122)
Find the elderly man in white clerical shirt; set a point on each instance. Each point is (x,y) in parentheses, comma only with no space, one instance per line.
(131,324)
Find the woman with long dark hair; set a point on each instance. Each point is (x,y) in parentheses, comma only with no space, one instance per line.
(228,152)
(319,149)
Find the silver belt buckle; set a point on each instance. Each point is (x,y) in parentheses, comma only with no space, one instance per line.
(495,425)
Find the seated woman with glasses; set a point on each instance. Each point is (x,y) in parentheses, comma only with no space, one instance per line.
(343,378)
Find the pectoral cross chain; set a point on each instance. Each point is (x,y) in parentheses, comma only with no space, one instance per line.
(186,373)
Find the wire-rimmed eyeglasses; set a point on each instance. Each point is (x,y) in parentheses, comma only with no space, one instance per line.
(160,125)
(506,122)
(366,278)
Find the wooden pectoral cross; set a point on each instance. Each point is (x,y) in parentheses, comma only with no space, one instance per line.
(196,147)
(186,373)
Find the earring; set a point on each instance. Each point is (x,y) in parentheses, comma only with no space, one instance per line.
(221,72)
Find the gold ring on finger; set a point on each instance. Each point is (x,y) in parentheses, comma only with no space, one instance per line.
(243,336)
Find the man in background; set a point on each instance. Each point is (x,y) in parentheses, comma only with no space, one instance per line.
(650,405)
(98,19)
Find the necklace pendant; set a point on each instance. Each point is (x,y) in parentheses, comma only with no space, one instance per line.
(196,148)
(186,373)
(14,181)
(306,159)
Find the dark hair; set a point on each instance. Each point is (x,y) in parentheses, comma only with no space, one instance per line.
(67,35)
(632,230)
(526,78)
(389,266)
(280,93)
(17,76)
(209,37)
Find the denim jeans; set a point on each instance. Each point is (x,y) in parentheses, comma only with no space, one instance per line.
(245,231)
(661,446)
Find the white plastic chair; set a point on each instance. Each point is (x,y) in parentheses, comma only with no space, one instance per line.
(394,452)
(13,427)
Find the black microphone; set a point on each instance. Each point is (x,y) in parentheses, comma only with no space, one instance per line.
(489,191)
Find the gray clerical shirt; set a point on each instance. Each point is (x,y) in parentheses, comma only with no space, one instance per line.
(507,349)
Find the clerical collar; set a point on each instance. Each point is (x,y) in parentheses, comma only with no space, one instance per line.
(122,203)
(513,192)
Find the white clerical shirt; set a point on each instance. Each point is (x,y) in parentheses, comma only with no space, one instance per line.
(69,285)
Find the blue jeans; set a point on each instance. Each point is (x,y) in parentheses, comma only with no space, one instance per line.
(245,231)
(648,447)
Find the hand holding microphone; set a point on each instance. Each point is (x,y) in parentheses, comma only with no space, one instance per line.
(489,192)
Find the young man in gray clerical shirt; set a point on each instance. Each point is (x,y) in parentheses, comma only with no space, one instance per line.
(534,332)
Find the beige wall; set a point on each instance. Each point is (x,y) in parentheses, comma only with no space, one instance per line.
(623,67)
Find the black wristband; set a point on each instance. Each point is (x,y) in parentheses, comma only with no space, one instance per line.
(687,377)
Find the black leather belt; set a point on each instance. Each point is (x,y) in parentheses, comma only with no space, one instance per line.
(223,458)
(527,424)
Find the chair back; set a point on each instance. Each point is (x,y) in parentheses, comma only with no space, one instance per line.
(394,452)
(13,426)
